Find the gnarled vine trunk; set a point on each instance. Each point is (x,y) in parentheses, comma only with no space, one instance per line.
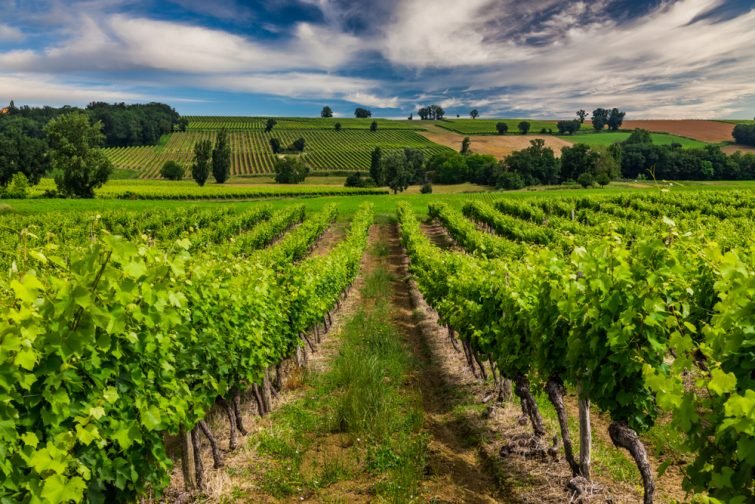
(624,437)
(556,392)
(585,434)
(522,389)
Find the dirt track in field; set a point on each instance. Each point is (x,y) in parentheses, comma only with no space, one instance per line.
(499,146)
(705,131)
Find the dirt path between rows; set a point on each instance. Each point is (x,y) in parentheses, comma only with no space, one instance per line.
(455,471)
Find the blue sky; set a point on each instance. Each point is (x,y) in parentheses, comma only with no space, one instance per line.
(544,58)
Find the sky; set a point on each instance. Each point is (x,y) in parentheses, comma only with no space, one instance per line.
(505,58)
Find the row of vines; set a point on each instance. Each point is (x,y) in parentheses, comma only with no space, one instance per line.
(641,305)
(123,329)
(251,154)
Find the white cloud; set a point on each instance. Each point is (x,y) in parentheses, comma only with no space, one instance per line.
(10,34)
(48,90)
(370,100)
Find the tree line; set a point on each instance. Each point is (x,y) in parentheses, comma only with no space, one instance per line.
(65,142)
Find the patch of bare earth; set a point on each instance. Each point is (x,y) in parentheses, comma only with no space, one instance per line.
(237,480)
(334,234)
(744,149)
(499,146)
(705,131)
(439,235)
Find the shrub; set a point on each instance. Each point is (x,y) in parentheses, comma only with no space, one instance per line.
(275,144)
(18,188)
(427,188)
(585,180)
(603,179)
(337,126)
(290,170)
(374,126)
(355,180)
(744,134)
(510,181)
(501,128)
(524,127)
(171,170)
(299,144)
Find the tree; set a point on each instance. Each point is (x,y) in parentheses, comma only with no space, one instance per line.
(524,127)
(326,112)
(362,113)
(568,127)
(200,169)
(270,124)
(449,168)
(415,161)
(183,124)
(433,112)
(337,126)
(374,126)
(474,114)
(581,116)
(290,170)
(411,116)
(744,134)
(221,158)
(615,119)
(376,170)
(355,180)
(576,160)
(397,174)
(639,136)
(586,180)
(275,144)
(171,170)
(22,150)
(501,128)
(599,118)
(465,145)
(537,164)
(427,188)
(482,169)
(79,164)
(299,144)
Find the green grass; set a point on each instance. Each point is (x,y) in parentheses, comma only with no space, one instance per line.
(606,138)
(362,396)
(385,205)
(737,121)
(487,126)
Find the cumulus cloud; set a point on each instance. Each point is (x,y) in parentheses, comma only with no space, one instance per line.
(548,58)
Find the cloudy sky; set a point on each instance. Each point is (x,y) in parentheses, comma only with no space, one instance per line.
(537,58)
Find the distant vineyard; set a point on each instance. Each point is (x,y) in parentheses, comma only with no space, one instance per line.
(326,150)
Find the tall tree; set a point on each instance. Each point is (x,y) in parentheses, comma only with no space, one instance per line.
(415,161)
(465,145)
(79,164)
(397,173)
(326,112)
(581,116)
(376,171)
(615,119)
(578,159)
(568,127)
(599,118)
(362,113)
(474,114)
(501,128)
(524,127)
(270,124)
(221,158)
(200,169)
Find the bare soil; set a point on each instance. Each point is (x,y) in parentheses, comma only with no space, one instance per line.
(499,146)
(744,149)
(705,131)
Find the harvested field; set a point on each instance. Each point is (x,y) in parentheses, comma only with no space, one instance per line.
(744,149)
(495,145)
(706,131)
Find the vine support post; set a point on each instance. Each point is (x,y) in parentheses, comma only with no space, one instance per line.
(187,461)
(585,433)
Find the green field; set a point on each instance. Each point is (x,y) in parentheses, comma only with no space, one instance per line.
(296,123)
(326,150)
(738,121)
(487,126)
(606,138)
